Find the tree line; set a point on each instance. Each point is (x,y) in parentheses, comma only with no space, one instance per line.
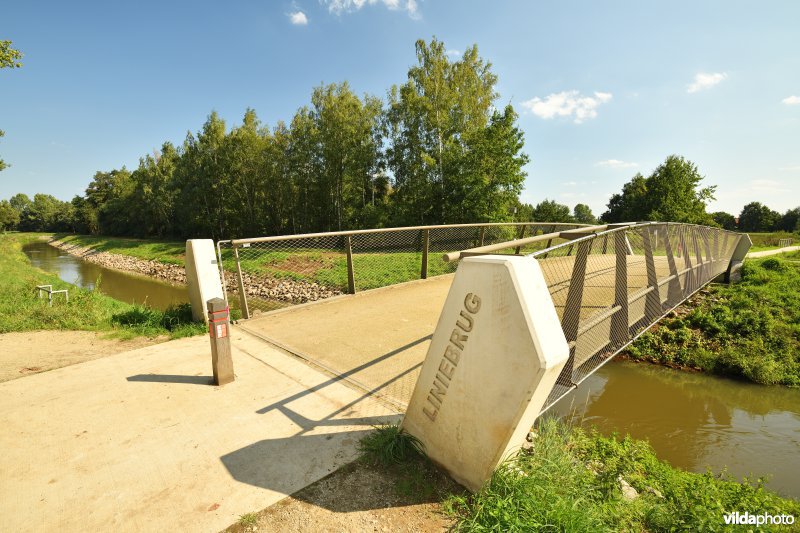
(438,150)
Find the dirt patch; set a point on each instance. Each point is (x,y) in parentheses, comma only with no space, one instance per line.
(307,265)
(31,352)
(362,497)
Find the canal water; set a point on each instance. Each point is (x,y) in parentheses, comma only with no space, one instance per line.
(119,285)
(695,421)
(692,420)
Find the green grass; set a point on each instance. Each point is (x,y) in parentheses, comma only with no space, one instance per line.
(769,241)
(170,252)
(389,445)
(570,482)
(21,310)
(750,329)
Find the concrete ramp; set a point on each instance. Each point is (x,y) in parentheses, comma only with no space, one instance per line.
(375,340)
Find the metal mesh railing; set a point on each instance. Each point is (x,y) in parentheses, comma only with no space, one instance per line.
(610,283)
(609,287)
(267,273)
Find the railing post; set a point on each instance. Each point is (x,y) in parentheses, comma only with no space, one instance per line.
(688,282)
(426,240)
(700,268)
(482,235)
(521,234)
(571,318)
(242,294)
(351,279)
(653,307)
(674,292)
(620,322)
(709,264)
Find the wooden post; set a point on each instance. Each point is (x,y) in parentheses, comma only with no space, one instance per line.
(219,329)
(351,279)
(521,234)
(242,294)
(426,241)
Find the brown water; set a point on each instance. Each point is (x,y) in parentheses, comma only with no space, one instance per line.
(695,421)
(119,285)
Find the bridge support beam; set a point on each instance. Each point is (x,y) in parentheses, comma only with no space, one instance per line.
(734,273)
(202,276)
(496,353)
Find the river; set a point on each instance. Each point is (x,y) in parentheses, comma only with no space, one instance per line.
(692,420)
(129,288)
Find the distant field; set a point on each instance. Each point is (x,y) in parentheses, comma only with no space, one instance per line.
(769,241)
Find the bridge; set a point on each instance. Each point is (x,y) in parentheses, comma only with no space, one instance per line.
(470,330)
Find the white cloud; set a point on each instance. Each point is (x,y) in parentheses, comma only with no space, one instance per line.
(298,18)
(570,184)
(453,53)
(791,100)
(703,80)
(790,169)
(762,185)
(616,163)
(567,103)
(348,6)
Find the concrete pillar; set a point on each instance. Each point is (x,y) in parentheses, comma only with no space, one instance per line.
(202,276)
(496,353)
(734,273)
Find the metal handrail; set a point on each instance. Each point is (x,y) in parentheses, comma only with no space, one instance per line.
(237,242)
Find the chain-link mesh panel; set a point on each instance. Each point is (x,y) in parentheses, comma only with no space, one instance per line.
(610,287)
(274,272)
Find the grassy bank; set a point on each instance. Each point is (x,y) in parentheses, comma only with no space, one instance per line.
(21,310)
(170,252)
(770,241)
(574,480)
(749,329)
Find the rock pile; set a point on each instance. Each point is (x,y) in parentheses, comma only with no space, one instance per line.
(283,289)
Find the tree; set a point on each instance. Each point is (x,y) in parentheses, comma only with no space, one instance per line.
(452,155)
(756,217)
(672,193)
(9,216)
(583,214)
(724,220)
(551,211)
(790,221)
(9,57)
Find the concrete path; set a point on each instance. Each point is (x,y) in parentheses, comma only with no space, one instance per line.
(776,251)
(140,441)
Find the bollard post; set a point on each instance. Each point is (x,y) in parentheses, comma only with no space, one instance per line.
(219,330)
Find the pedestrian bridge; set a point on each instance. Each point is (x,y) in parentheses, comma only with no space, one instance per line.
(557,305)
(607,283)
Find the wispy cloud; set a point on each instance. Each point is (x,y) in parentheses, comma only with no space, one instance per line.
(298,18)
(705,80)
(348,6)
(763,185)
(791,100)
(567,104)
(453,53)
(793,168)
(570,184)
(616,163)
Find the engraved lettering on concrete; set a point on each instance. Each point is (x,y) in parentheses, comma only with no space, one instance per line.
(452,356)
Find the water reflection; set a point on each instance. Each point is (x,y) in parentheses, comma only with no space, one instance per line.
(119,285)
(695,421)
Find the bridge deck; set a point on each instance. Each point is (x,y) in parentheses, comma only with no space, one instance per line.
(378,339)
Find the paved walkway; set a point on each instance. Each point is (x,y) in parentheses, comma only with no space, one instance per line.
(140,441)
(776,251)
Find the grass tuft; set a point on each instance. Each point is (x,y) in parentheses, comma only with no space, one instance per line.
(390,445)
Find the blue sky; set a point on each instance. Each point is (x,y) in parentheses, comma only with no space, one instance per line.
(604,89)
